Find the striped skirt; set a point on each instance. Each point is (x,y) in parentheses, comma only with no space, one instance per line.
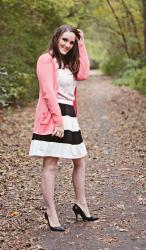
(71,146)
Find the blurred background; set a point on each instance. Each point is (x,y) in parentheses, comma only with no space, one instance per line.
(115,36)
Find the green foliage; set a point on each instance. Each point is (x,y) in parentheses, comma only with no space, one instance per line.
(133,76)
(26,29)
(114,32)
(128,65)
(112,64)
(16,87)
(93,49)
(120,28)
(126,71)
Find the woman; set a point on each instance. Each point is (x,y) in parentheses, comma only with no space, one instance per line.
(56,130)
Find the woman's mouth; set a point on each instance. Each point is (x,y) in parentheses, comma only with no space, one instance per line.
(65,49)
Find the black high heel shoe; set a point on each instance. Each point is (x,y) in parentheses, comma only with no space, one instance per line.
(60,228)
(77,210)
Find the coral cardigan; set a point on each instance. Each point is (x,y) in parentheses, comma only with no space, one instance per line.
(48,113)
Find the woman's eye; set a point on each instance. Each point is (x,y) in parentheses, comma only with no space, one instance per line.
(64,39)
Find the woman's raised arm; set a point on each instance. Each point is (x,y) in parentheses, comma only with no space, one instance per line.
(83,73)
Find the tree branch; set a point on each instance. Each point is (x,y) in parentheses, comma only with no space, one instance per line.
(133,23)
(120,27)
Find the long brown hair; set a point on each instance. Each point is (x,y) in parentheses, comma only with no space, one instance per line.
(71,59)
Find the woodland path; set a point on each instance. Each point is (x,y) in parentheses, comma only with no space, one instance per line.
(113,125)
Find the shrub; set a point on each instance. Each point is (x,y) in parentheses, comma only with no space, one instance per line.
(127,71)
(135,78)
(129,65)
(112,64)
(16,87)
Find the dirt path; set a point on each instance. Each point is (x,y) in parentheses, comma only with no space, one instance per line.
(113,124)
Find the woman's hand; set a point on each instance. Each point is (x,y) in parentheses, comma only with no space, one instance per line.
(58,131)
(81,34)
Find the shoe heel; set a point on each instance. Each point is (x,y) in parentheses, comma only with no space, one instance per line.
(76,213)
(76,217)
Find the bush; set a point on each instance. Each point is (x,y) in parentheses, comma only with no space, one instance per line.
(129,65)
(16,87)
(127,72)
(112,64)
(135,78)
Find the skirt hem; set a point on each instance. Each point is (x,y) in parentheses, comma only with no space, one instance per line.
(63,157)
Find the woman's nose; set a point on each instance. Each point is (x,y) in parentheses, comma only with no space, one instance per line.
(67,45)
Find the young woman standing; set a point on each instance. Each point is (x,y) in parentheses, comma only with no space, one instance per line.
(56,131)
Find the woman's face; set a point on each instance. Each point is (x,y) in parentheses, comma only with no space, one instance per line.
(66,42)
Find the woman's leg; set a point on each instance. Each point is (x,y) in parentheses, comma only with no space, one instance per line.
(48,185)
(78,178)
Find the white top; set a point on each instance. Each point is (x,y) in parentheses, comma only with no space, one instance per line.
(66,84)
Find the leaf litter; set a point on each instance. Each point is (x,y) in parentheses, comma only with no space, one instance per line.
(113,125)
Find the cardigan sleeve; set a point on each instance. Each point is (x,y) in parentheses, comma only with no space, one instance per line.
(45,75)
(84,62)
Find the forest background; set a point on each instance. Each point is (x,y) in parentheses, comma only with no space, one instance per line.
(115,36)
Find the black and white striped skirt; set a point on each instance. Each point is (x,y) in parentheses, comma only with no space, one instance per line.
(70,146)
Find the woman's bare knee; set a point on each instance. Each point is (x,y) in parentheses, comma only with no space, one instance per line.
(79,162)
(50,163)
